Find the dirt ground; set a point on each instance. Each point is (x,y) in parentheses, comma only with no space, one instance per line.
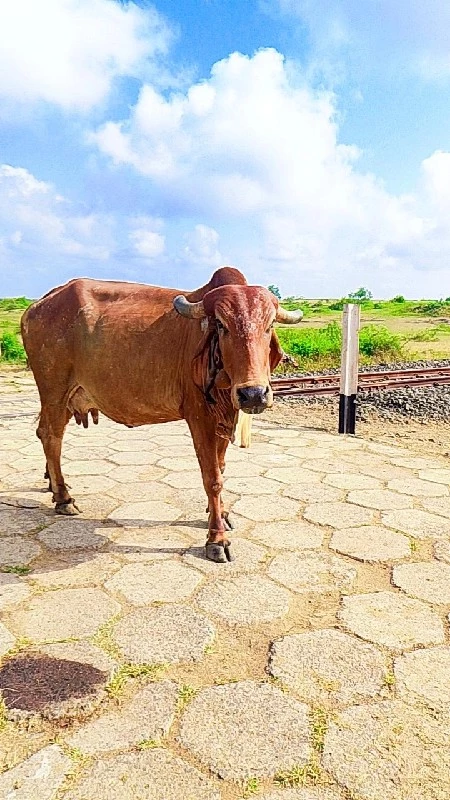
(429,438)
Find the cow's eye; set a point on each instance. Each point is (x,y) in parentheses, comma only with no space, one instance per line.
(221,327)
(270,328)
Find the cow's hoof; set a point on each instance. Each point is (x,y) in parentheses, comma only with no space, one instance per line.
(229,553)
(228,522)
(216,552)
(67,509)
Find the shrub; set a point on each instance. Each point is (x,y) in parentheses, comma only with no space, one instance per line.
(376,340)
(11,348)
(14,303)
(398,299)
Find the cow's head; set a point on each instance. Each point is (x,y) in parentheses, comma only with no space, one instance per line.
(240,320)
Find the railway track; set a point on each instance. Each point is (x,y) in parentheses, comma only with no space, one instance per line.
(310,385)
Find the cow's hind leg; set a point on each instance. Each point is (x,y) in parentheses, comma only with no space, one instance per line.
(218,546)
(52,422)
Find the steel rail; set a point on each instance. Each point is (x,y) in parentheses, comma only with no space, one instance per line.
(367,381)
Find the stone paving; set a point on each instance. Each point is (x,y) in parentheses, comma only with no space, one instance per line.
(314,667)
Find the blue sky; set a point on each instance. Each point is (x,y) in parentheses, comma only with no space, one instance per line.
(305,141)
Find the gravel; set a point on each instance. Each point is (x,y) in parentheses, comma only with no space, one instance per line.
(427,403)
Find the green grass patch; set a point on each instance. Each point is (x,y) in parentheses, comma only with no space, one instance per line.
(309,773)
(19,569)
(251,787)
(186,693)
(320,347)
(127,672)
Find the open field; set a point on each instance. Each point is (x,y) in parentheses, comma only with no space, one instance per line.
(410,330)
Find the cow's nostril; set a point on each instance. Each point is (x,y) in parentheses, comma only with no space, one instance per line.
(252,396)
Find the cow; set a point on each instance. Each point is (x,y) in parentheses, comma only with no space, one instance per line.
(144,354)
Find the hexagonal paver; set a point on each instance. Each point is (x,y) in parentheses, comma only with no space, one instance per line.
(441,551)
(141,491)
(151,544)
(338,515)
(165,582)
(133,458)
(314,494)
(145,513)
(14,550)
(90,484)
(293,475)
(436,475)
(73,534)
(6,640)
(309,571)
(350,481)
(147,716)
(419,524)
(248,558)
(316,793)
(418,488)
(64,613)
(91,467)
(328,664)
(297,535)
(182,480)
(441,505)
(153,774)
(246,728)
(371,543)
(244,600)
(388,751)
(253,486)
(41,775)
(391,620)
(16,521)
(423,677)
(246,469)
(169,634)
(69,680)
(415,462)
(381,499)
(180,465)
(12,590)
(427,581)
(78,571)
(266,509)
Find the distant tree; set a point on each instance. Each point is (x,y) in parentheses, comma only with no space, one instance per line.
(275,290)
(398,299)
(360,294)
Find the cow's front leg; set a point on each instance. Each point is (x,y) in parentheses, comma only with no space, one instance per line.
(218,546)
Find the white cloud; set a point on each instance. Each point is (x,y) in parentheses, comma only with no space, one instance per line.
(145,237)
(69,52)
(36,220)
(202,247)
(255,151)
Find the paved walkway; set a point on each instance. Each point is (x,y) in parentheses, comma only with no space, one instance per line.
(315,667)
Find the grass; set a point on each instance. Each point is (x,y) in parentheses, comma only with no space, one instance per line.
(20,569)
(299,776)
(319,347)
(319,727)
(104,638)
(149,744)
(250,787)
(389,679)
(186,693)
(122,675)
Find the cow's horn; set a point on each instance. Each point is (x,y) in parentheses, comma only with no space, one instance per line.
(187,309)
(288,317)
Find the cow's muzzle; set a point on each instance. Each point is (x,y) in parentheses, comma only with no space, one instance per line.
(254,399)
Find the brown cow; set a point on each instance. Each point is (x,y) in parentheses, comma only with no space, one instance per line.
(143,354)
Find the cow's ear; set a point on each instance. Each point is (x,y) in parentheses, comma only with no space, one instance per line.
(276,353)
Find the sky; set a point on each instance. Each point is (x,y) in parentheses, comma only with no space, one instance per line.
(306,142)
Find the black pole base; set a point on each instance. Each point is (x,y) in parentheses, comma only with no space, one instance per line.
(347,413)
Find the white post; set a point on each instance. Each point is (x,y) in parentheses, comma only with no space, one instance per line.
(349,368)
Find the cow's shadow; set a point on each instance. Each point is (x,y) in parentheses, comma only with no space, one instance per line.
(91,536)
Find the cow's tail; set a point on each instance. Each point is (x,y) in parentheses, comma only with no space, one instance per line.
(243,431)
